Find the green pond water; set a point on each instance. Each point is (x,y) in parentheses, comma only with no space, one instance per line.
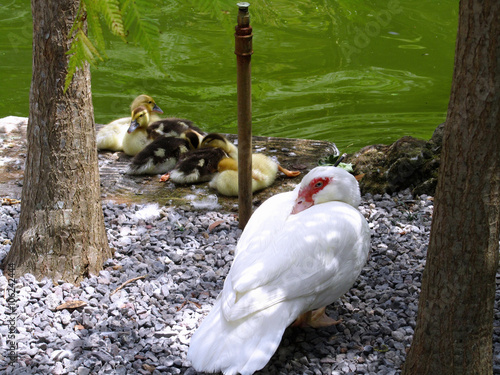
(351,72)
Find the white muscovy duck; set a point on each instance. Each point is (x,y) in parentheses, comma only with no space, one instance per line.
(299,252)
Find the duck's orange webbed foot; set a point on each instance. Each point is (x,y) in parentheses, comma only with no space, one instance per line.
(316,319)
(287,172)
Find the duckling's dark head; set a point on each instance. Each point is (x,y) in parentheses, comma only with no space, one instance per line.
(193,137)
(219,141)
(213,140)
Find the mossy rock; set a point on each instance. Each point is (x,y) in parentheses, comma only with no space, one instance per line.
(408,163)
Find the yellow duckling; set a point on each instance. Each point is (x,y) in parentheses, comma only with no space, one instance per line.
(162,154)
(110,137)
(264,171)
(136,137)
(202,164)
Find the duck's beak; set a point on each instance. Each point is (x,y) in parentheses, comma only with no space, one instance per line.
(301,204)
(133,125)
(157,109)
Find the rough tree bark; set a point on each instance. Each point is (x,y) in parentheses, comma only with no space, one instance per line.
(455,312)
(61,231)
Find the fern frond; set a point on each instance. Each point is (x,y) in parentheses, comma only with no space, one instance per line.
(265,12)
(123,18)
(80,15)
(219,10)
(72,65)
(75,51)
(89,51)
(142,29)
(81,50)
(110,9)
(95,28)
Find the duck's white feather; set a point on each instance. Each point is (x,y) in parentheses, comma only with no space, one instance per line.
(272,215)
(303,259)
(285,265)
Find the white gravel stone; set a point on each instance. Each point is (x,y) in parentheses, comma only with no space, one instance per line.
(52,301)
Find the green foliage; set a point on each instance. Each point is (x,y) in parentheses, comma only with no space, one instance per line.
(329,160)
(143,30)
(219,10)
(127,19)
(335,160)
(124,18)
(81,50)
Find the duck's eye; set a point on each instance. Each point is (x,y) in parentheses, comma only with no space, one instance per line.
(318,184)
(150,102)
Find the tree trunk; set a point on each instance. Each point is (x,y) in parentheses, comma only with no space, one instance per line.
(61,231)
(455,312)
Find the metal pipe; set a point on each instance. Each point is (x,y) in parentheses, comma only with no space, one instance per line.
(243,51)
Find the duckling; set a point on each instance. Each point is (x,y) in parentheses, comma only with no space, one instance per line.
(264,171)
(215,140)
(172,127)
(202,164)
(110,137)
(196,166)
(162,154)
(136,137)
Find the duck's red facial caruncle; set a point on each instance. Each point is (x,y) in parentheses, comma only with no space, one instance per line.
(305,198)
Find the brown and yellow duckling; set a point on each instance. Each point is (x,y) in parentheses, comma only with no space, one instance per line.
(162,154)
(202,164)
(172,127)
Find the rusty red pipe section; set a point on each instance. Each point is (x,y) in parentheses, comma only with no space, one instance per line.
(243,50)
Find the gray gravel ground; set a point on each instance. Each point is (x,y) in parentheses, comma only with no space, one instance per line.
(145,327)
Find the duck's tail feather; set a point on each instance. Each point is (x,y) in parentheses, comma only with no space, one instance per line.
(242,346)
